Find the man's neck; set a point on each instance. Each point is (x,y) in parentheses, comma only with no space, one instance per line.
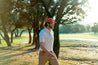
(49,28)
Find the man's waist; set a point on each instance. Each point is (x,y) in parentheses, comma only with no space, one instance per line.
(45,51)
(40,49)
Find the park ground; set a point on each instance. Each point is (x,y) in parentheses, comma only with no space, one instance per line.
(72,52)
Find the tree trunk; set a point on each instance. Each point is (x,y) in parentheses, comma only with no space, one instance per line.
(17,33)
(36,31)
(56,29)
(29,30)
(56,46)
(6,38)
(37,40)
(8,42)
(21,32)
(11,37)
(36,37)
(12,32)
(4,29)
(0,40)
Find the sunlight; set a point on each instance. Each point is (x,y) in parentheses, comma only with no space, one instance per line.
(93,13)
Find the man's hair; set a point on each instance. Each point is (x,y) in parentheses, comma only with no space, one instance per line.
(46,24)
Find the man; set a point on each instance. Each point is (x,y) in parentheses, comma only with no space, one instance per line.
(46,38)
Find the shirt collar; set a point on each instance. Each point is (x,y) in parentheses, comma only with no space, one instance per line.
(47,30)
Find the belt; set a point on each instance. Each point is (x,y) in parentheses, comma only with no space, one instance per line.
(45,51)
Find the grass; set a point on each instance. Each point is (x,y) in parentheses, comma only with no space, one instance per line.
(24,54)
(80,35)
(72,52)
(75,53)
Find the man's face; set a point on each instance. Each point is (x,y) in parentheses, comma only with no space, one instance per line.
(51,25)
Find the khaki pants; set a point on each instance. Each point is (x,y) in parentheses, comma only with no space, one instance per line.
(44,57)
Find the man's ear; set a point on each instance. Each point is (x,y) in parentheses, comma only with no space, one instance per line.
(47,24)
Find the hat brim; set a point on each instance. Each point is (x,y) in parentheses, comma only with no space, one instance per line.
(54,22)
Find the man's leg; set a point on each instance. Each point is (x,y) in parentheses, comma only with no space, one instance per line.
(43,58)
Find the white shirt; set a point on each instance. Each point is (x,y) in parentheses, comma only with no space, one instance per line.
(47,37)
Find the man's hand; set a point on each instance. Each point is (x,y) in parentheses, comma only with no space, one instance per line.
(52,56)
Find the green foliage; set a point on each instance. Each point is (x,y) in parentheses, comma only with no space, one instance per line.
(76,28)
(95,28)
(74,11)
(28,13)
(65,29)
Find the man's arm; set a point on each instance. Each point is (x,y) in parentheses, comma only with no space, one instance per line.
(44,49)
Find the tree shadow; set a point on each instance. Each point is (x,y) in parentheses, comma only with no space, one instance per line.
(14,50)
(80,59)
(9,56)
(6,62)
(33,50)
(79,46)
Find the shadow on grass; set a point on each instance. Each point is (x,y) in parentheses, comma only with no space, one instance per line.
(12,50)
(9,56)
(80,59)
(7,61)
(33,50)
(78,46)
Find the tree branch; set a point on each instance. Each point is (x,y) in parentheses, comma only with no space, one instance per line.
(46,8)
(34,4)
(68,9)
(60,10)
(55,8)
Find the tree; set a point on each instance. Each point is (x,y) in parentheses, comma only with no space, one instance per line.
(65,28)
(32,16)
(22,18)
(38,16)
(73,28)
(78,28)
(29,14)
(88,27)
(64,12)
(5,19)
(95,28)
(9,19)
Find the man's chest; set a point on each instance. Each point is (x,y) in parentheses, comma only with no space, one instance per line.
(49,35)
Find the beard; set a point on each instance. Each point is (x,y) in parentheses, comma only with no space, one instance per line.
(51,27)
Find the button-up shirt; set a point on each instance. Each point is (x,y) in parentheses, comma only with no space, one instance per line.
(47,37)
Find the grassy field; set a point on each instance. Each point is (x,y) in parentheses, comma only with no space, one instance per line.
(79,52)
(72,52)
(80,35)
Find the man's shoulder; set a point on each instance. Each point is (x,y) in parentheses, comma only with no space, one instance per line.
(42,31)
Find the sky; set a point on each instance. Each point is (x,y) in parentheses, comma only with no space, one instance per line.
(92,13)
